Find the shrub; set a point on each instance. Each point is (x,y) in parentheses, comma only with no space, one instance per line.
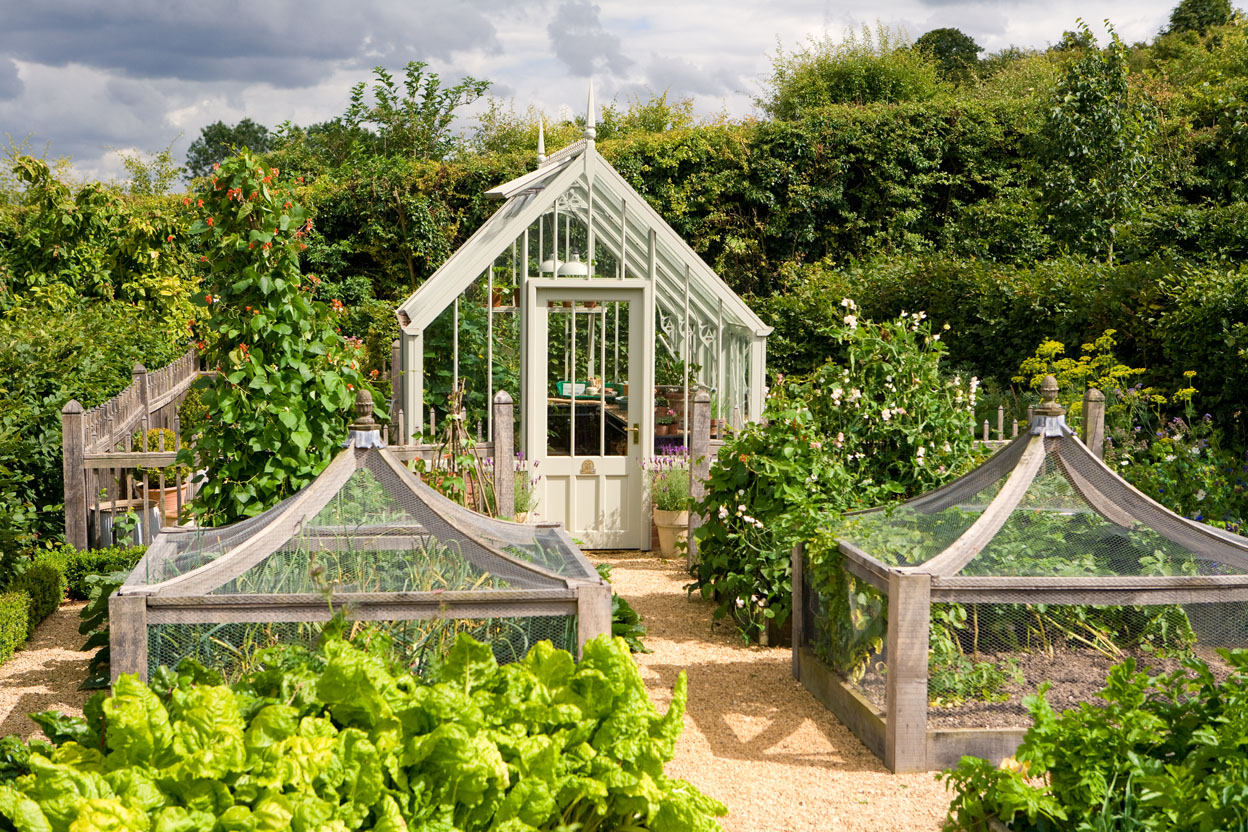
(1157,752)
(14,615)
(280,404)
(44,586)
(344,739)
(879,420)
(861,69)
(77,565)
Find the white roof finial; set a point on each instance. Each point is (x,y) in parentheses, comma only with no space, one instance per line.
(590,117)
(541,140)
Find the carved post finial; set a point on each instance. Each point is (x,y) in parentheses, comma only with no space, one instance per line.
(1048,398)
(364,411)
(541,140)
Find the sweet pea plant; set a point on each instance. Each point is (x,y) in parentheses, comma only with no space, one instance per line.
(880,422)
(281,400)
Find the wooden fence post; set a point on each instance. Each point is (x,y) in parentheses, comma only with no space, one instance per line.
(699,465)
(1094,421)
(396,378)
(905,718)
(799,599)
(73,461)
(593,613)
(127,635)
(504,455)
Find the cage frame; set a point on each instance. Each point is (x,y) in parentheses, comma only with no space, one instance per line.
(899,733)
(184,599)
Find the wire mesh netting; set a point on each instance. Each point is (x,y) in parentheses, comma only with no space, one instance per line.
(1054,530)
(365,531)
(232,649)
(848,631)
(984,659)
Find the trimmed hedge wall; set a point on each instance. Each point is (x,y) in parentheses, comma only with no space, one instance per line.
(44,586)
(13,621)
(78,565)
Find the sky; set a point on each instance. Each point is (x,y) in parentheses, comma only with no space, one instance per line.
(87,80)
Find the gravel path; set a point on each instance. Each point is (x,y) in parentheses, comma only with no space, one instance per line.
(45,674)
(754,738)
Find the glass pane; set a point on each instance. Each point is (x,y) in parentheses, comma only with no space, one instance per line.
(587,371)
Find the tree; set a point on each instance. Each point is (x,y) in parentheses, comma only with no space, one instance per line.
(1198,15)
(416,120)
(1099,141)
(218,141)
(954,50)
(873,67)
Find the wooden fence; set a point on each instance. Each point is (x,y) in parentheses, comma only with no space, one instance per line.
(113,476)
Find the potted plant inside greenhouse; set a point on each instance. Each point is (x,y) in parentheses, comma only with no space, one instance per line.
(164,487)
(668,477)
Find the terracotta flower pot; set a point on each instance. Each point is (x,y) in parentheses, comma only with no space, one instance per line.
(673,529)
(167,499)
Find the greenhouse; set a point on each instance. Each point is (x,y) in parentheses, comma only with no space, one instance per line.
(1041,565)
(366,539)
(579,300)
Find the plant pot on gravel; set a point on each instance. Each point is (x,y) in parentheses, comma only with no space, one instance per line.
(673,529)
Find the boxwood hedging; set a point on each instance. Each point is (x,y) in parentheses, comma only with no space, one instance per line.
(13,619)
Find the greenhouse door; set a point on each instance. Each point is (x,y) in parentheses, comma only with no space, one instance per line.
(586,408)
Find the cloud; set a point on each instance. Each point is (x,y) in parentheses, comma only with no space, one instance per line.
(580,41)
(284,42)
(11,85)
(685,78)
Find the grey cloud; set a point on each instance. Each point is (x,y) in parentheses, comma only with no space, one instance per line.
(685,78)
(10,83)
(283,42)
(580,41)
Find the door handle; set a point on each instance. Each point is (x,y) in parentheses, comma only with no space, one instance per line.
(636,429)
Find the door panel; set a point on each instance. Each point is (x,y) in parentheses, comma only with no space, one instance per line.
(586,432)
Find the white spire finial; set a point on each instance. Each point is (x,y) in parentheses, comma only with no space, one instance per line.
(541,140)
(590,117)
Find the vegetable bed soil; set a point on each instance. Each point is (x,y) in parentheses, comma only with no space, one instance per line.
(1075,677)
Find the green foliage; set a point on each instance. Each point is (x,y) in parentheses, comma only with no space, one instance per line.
(416,121)
(94,625)
(1099,149)
(14,609)
(47,357)
(625,621)
(1165,751)
(1200,15)
(879,420)
(280,405)
(152,176)
(343,739)
(218,141)
(79,564)
(44,587)
(860,69)
(1185,467)
(956,52)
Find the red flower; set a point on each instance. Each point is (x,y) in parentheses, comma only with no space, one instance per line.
(170,238)
(207,298)
(350,386)
(203,259)
(210,220)
(216,166)
(186,201)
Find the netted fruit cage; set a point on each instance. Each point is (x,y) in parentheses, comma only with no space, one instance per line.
(925,625)
(369,540)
